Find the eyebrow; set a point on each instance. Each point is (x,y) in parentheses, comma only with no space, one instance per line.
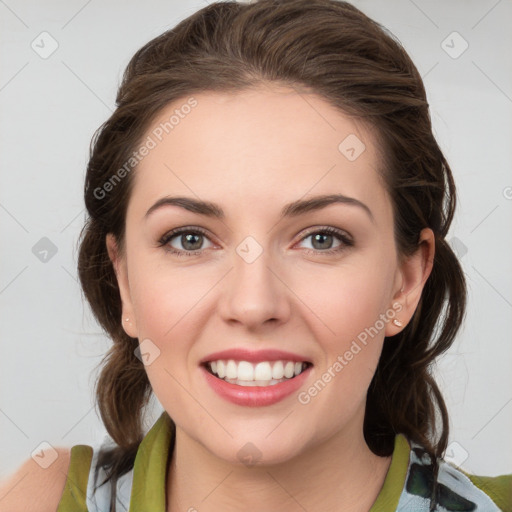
(290,210)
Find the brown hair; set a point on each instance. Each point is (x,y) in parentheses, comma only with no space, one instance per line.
(332,49)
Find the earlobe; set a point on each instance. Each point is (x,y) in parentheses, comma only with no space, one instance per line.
(119,264)
(414,272)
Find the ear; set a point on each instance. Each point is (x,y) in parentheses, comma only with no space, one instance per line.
(121,271)
(411,278)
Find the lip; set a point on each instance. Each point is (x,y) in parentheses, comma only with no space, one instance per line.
(255,396)
(254,356)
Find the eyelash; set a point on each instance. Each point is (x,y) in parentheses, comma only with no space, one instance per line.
(341,235)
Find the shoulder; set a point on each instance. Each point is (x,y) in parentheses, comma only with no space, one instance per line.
(456,489)
(498,488)
(38,483)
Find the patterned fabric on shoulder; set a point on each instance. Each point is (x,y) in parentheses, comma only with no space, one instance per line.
(98,497)
(456,492)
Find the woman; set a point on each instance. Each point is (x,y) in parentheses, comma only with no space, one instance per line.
(266,248)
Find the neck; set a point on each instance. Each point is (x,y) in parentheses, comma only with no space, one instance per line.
(340,473)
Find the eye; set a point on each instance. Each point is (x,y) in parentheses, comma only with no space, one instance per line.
(322,240)
(189,240)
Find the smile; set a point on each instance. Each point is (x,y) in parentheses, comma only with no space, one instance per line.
(254,384)
(263,373)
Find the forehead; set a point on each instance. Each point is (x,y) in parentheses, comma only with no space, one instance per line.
(263,144)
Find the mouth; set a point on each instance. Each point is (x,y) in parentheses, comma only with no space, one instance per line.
(252,374)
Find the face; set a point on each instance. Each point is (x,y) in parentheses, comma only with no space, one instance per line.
(321,283)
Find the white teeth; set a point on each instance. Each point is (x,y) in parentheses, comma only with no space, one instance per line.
(264,373)
(245,371)
(221,370)
(289,369)
(253,383)
(278,370)
(231,370)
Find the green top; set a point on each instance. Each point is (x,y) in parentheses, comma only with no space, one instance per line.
(406,487)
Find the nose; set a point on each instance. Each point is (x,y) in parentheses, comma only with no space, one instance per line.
(254,294)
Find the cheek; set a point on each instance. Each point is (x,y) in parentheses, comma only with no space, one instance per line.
(172,307)
(166,304)
(346,301)
(347,324)
(350,334)
(163,298)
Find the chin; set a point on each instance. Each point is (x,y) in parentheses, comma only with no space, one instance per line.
(258,451)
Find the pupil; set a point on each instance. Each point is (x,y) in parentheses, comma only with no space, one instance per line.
(320,237)
(189,239)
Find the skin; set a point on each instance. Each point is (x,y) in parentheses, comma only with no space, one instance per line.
(251,153)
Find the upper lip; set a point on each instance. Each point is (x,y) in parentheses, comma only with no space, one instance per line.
(243,354)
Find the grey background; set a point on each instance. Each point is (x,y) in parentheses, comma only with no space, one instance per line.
(50,108)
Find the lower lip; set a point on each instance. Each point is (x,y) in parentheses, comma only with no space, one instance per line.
(255,396)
